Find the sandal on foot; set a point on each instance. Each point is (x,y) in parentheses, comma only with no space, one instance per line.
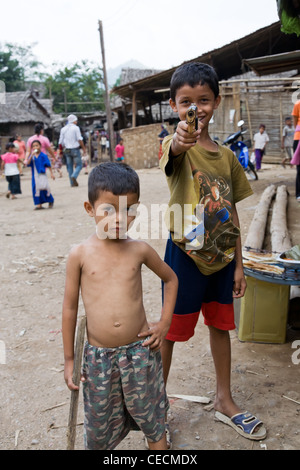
(245,424)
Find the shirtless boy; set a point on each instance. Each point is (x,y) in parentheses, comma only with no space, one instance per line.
(122,373)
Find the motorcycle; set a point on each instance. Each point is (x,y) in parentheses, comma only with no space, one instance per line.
(241,151)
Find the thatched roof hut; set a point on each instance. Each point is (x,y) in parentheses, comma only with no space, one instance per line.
(22,110)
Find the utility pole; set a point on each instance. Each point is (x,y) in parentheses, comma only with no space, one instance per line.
(107,102)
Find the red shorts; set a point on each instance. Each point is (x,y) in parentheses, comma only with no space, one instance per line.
(212,295)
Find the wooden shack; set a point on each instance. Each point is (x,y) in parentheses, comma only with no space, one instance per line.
(266,100)
(248,90)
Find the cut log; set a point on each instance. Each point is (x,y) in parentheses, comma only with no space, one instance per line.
(256,234)
(280,238)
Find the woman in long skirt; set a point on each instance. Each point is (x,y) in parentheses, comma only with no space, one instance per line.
(39,162)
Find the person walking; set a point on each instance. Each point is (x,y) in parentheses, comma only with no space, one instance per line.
(71,140)
(261,139)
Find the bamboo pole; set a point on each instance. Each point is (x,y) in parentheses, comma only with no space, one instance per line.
(71,433)
(134,109)
(249,117)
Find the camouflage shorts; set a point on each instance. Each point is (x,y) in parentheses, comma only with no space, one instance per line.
(123,391)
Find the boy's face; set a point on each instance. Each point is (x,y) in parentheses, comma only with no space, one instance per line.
(36,148)
(202,96)
(113,214)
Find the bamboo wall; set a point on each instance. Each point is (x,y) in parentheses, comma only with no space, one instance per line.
(255,102)
(142,145)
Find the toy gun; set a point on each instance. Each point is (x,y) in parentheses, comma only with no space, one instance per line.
(191,118)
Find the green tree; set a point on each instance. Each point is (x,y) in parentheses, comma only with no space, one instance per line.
(11,73)
(18,65)
(78,83)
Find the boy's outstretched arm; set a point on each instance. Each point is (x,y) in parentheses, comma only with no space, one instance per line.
(240,285)
(158,331)
(69,314)
(182,140)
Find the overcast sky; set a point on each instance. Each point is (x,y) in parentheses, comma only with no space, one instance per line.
(157,33)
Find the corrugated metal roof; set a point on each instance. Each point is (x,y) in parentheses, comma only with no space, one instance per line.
(229,61)
(274,63)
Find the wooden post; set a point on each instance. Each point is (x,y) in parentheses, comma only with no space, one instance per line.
(107,102)
(248,114)
(281,124)
(134,109)
(90,149)
(124,113)
(71,435)
(65,101)
(236,88)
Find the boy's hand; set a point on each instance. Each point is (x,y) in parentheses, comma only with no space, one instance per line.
(240,284)
(157,333)
(68,375)
(183,140)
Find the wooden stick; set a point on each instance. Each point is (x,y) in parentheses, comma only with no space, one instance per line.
(71,434)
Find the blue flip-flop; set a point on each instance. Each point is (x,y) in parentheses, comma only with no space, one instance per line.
(245,424)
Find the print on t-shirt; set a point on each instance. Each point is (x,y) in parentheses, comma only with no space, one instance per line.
(214,240)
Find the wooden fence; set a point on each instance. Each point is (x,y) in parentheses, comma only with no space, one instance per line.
(256,101)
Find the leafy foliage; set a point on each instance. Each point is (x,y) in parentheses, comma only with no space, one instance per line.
(18,66)
(78,83)
(81,82)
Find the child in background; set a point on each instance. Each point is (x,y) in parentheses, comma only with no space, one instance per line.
(85,162)
(287,141)
(120,151)
(261,139)
(56,161)
(123,383)
(22,152)
(39,162)
(9,163)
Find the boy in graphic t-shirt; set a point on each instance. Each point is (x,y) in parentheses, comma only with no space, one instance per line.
(204,249)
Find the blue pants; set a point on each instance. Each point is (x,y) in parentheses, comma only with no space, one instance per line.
(73,157)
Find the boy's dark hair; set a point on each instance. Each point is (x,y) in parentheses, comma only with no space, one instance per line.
(193,74)
(118,178)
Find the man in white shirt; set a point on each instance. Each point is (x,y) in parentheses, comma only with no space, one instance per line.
(260,141)
(71,140)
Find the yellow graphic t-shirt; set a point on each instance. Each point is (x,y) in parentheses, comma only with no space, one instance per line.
(204,186)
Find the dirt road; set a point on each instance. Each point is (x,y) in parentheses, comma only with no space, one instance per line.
(34,400)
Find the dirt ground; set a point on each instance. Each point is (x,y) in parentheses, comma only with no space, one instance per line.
(34,400)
